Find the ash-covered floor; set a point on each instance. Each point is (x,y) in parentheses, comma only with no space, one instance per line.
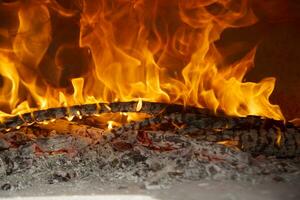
(196,170)
(153,159)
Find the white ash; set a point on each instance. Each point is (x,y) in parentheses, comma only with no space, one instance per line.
(190,160)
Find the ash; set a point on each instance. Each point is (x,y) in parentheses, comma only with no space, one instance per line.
(150,159)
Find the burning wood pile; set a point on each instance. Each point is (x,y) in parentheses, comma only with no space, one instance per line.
(252,134)
(138,90)
(172,142)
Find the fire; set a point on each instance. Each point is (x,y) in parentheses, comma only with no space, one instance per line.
(110,125)
(279,137)
(139,105)
(142,50)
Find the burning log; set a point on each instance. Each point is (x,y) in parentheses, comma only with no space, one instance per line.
(59,136)
(172,143)
(270,142)
(95,109)
(251,134)
(180,59)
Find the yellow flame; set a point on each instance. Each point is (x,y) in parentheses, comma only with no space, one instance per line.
(107,107)
(78,90)
(279,136)
(124,113)
(70,118)
(135,50)
(139,105)
(230,143)
(10,88)
(110,125)
(78,114)
(136,116)
(45,122)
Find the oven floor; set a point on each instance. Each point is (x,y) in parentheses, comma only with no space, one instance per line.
(193,190)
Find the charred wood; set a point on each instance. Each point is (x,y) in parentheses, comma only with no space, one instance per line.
(251,134)
(95,109)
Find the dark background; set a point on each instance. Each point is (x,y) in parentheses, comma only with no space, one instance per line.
(277,35)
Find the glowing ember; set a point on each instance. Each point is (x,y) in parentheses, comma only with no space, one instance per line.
(229,143)
(279,136)
(151,50)
(110,125)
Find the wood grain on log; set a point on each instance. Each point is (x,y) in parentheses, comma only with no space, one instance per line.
(251,134)
(95,109)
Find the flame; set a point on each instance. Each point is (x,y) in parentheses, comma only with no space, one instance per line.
(110,125)
(278,137)
(145,50)
(139,105)
(229,143)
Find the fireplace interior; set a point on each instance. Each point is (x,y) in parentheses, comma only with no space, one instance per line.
(149,99)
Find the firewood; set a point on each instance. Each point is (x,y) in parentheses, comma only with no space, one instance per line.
(95,109)
(250,134)
(58,136)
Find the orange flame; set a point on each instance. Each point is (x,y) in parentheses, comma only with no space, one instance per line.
(143,50)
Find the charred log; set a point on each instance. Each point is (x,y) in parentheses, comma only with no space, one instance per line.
(250,134)
(95,109)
